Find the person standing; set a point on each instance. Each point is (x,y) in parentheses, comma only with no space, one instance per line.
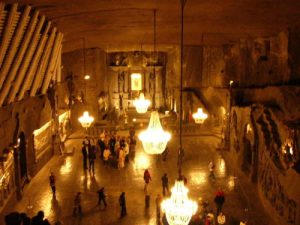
(147,179)
(101,197)
(122,202)
(84,151)
(121,158)
(92,157)
(106,155)
(219,200)
(52,183)
(101,146)
(165,184)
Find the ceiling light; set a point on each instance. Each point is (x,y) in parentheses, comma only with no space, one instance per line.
(154,139)
(86,120)
(141,104)
(199,116)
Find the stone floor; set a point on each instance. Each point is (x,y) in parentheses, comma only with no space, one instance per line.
(240,204)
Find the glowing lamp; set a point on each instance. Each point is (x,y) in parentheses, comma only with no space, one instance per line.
(87,77)
(154,139)
(141,104)
(86,120)
(179,208)
(199,116)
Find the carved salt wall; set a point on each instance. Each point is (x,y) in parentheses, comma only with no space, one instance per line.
(84,94)
(264,148)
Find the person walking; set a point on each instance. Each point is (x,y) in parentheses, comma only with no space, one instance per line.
(165,184)
(219,200)
(147,179)
(122,202)
(77,204)
(85,150)
(101,197)
(52,183)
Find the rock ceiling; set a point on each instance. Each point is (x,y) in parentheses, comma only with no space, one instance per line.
(119,23)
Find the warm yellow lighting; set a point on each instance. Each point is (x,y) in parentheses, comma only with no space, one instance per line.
(249,128)
(134,120)
(199,116)
(231,83)
(86,120)
(136,81)
(66,167)
(198,178)
(154,139)
(141,104)
(141,161)
(231,183)
(42,129)
(87,77)
(179,208)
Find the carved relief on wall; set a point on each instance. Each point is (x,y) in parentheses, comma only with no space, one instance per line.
(274,192)
(136,58)
(272,138)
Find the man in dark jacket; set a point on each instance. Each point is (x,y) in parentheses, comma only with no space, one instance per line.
(165,184)
(92,157)
(84,150)
(101,197)
(122,202)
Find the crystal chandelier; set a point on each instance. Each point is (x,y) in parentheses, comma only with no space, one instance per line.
(154,139)
(141,104)
(179,208)
(86,120)
(199,116)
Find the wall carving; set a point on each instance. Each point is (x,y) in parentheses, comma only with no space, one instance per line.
(274,191)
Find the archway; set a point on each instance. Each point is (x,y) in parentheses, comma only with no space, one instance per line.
(23,158)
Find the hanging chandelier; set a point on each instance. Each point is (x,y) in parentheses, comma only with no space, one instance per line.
(199,116)
(154,139)
(141,104)
(86,120)
(179,208)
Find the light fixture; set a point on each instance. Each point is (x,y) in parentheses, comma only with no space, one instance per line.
(154,139)
(199,116)
(141,104)
(86,120)
(87,77)
(178,208)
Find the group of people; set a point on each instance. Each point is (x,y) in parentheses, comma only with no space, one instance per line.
(114,150)
(15,218)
